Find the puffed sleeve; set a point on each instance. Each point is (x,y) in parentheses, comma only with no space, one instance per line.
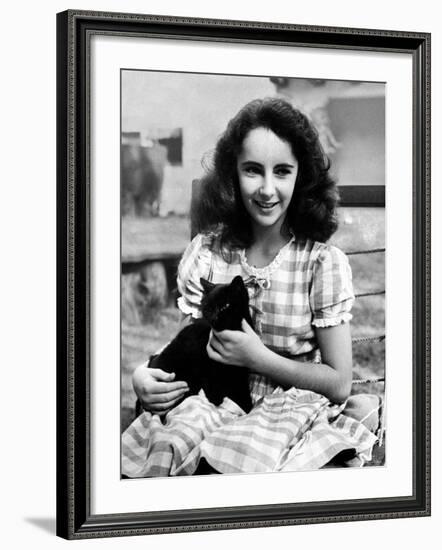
(195,263)
(331,294)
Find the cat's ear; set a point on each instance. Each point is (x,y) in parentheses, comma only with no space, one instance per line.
(238,282)
(207,285)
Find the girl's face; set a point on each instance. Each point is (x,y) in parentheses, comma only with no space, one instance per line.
(267,171)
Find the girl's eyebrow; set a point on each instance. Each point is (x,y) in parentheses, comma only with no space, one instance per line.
(255,163)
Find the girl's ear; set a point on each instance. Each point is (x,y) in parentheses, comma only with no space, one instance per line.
(207,285)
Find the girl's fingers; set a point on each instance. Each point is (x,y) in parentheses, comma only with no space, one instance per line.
(226,336)
(215,344)
(246,327)
(221,335)
(167,387)
(162,375)
(213,354)
(164,407)
(215,337)
(165,398)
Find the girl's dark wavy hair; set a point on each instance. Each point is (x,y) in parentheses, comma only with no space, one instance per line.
(312,210)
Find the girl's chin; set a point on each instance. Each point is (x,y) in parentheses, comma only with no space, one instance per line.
(266,221)
(261,213)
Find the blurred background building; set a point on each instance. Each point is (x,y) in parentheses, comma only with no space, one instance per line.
(171,121)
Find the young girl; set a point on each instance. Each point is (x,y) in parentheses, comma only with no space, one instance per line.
(265,212)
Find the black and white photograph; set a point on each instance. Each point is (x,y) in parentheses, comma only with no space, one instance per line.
(243,274)
(252,274)
(222,255)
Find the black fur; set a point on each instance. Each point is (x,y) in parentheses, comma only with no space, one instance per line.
(223,307)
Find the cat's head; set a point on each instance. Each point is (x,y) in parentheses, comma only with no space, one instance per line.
(225,305)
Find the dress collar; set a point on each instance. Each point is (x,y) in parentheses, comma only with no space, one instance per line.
(262,275)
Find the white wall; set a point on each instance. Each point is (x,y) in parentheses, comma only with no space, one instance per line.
(28,273)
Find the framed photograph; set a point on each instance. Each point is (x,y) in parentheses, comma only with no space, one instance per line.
(243,274)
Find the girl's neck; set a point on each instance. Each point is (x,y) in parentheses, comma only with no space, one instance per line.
(270,237)
(265,247)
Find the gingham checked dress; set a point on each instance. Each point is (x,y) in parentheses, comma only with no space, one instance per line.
(307,285)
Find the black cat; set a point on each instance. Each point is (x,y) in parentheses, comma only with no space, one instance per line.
(223,307)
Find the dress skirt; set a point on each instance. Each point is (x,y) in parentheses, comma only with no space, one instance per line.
(291,430)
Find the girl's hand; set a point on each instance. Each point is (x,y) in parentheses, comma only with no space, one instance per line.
(156,390)
(235,347)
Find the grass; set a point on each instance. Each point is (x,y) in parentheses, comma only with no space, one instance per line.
(139,342)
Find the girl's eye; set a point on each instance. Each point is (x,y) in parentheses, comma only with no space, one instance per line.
(282,172)
(251,170)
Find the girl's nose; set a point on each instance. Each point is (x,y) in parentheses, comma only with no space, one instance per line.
(267,188)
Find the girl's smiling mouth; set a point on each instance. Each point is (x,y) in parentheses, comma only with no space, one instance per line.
(266,205)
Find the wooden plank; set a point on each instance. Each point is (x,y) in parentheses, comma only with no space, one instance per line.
(149,239)
(362,195)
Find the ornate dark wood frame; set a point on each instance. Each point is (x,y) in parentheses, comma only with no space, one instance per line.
(74,518)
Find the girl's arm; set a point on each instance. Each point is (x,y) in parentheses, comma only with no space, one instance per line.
(156,389)
(331,378)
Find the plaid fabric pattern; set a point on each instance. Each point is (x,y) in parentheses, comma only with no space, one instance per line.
(308,284)
(285,431)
